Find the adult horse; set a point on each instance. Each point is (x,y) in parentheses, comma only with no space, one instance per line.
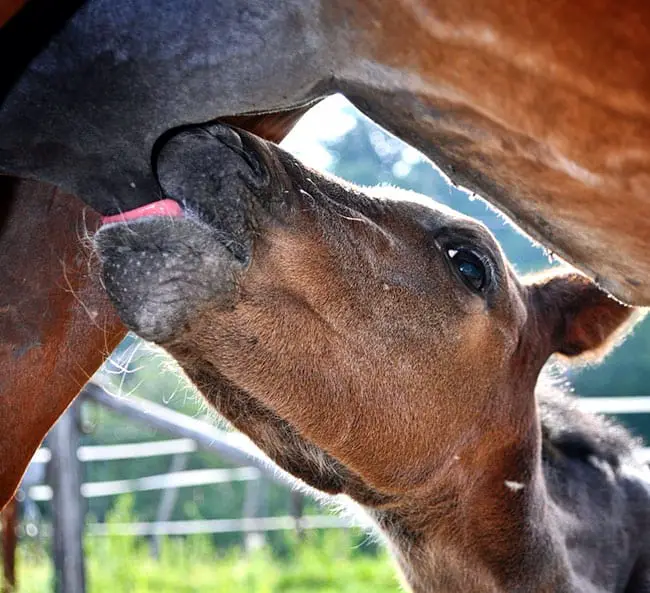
(541,106)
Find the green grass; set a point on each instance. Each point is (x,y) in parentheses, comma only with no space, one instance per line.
(334,561)
(324,563)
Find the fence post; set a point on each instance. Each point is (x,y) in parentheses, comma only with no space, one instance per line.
(297,501)
(255,499)
(167,501)
(67,503)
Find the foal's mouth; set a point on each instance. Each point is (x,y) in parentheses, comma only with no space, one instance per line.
(163,261)
(165,207)
(212,175)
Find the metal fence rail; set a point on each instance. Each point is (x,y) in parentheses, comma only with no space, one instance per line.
(232,446)
(180,479)
(192,527)
(220,525)
(616,405)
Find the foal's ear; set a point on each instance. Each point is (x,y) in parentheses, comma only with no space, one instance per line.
(578,317)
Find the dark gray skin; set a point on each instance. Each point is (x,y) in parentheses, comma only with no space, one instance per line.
(192,285)
(85,113)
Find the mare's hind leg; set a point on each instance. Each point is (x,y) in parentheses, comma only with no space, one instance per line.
(56,324)
(9,520)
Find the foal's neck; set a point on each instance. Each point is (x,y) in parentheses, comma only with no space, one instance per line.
(494,535)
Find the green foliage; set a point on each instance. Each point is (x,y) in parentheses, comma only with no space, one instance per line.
(35,570)
(324,562)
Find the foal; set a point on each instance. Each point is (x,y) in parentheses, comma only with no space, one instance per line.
(377,346)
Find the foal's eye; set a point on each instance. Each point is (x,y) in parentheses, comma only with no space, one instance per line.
(471,268)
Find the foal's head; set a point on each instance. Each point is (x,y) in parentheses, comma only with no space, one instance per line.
(370,341)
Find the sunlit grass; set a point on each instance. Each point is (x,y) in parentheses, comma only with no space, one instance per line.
(321,562)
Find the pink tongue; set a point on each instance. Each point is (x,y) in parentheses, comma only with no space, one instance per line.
(160,208)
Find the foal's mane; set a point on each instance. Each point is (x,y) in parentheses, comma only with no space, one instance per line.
(581,435)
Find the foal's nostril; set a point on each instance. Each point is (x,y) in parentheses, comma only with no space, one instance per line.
(226,134)
(203,164)
(257,174)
